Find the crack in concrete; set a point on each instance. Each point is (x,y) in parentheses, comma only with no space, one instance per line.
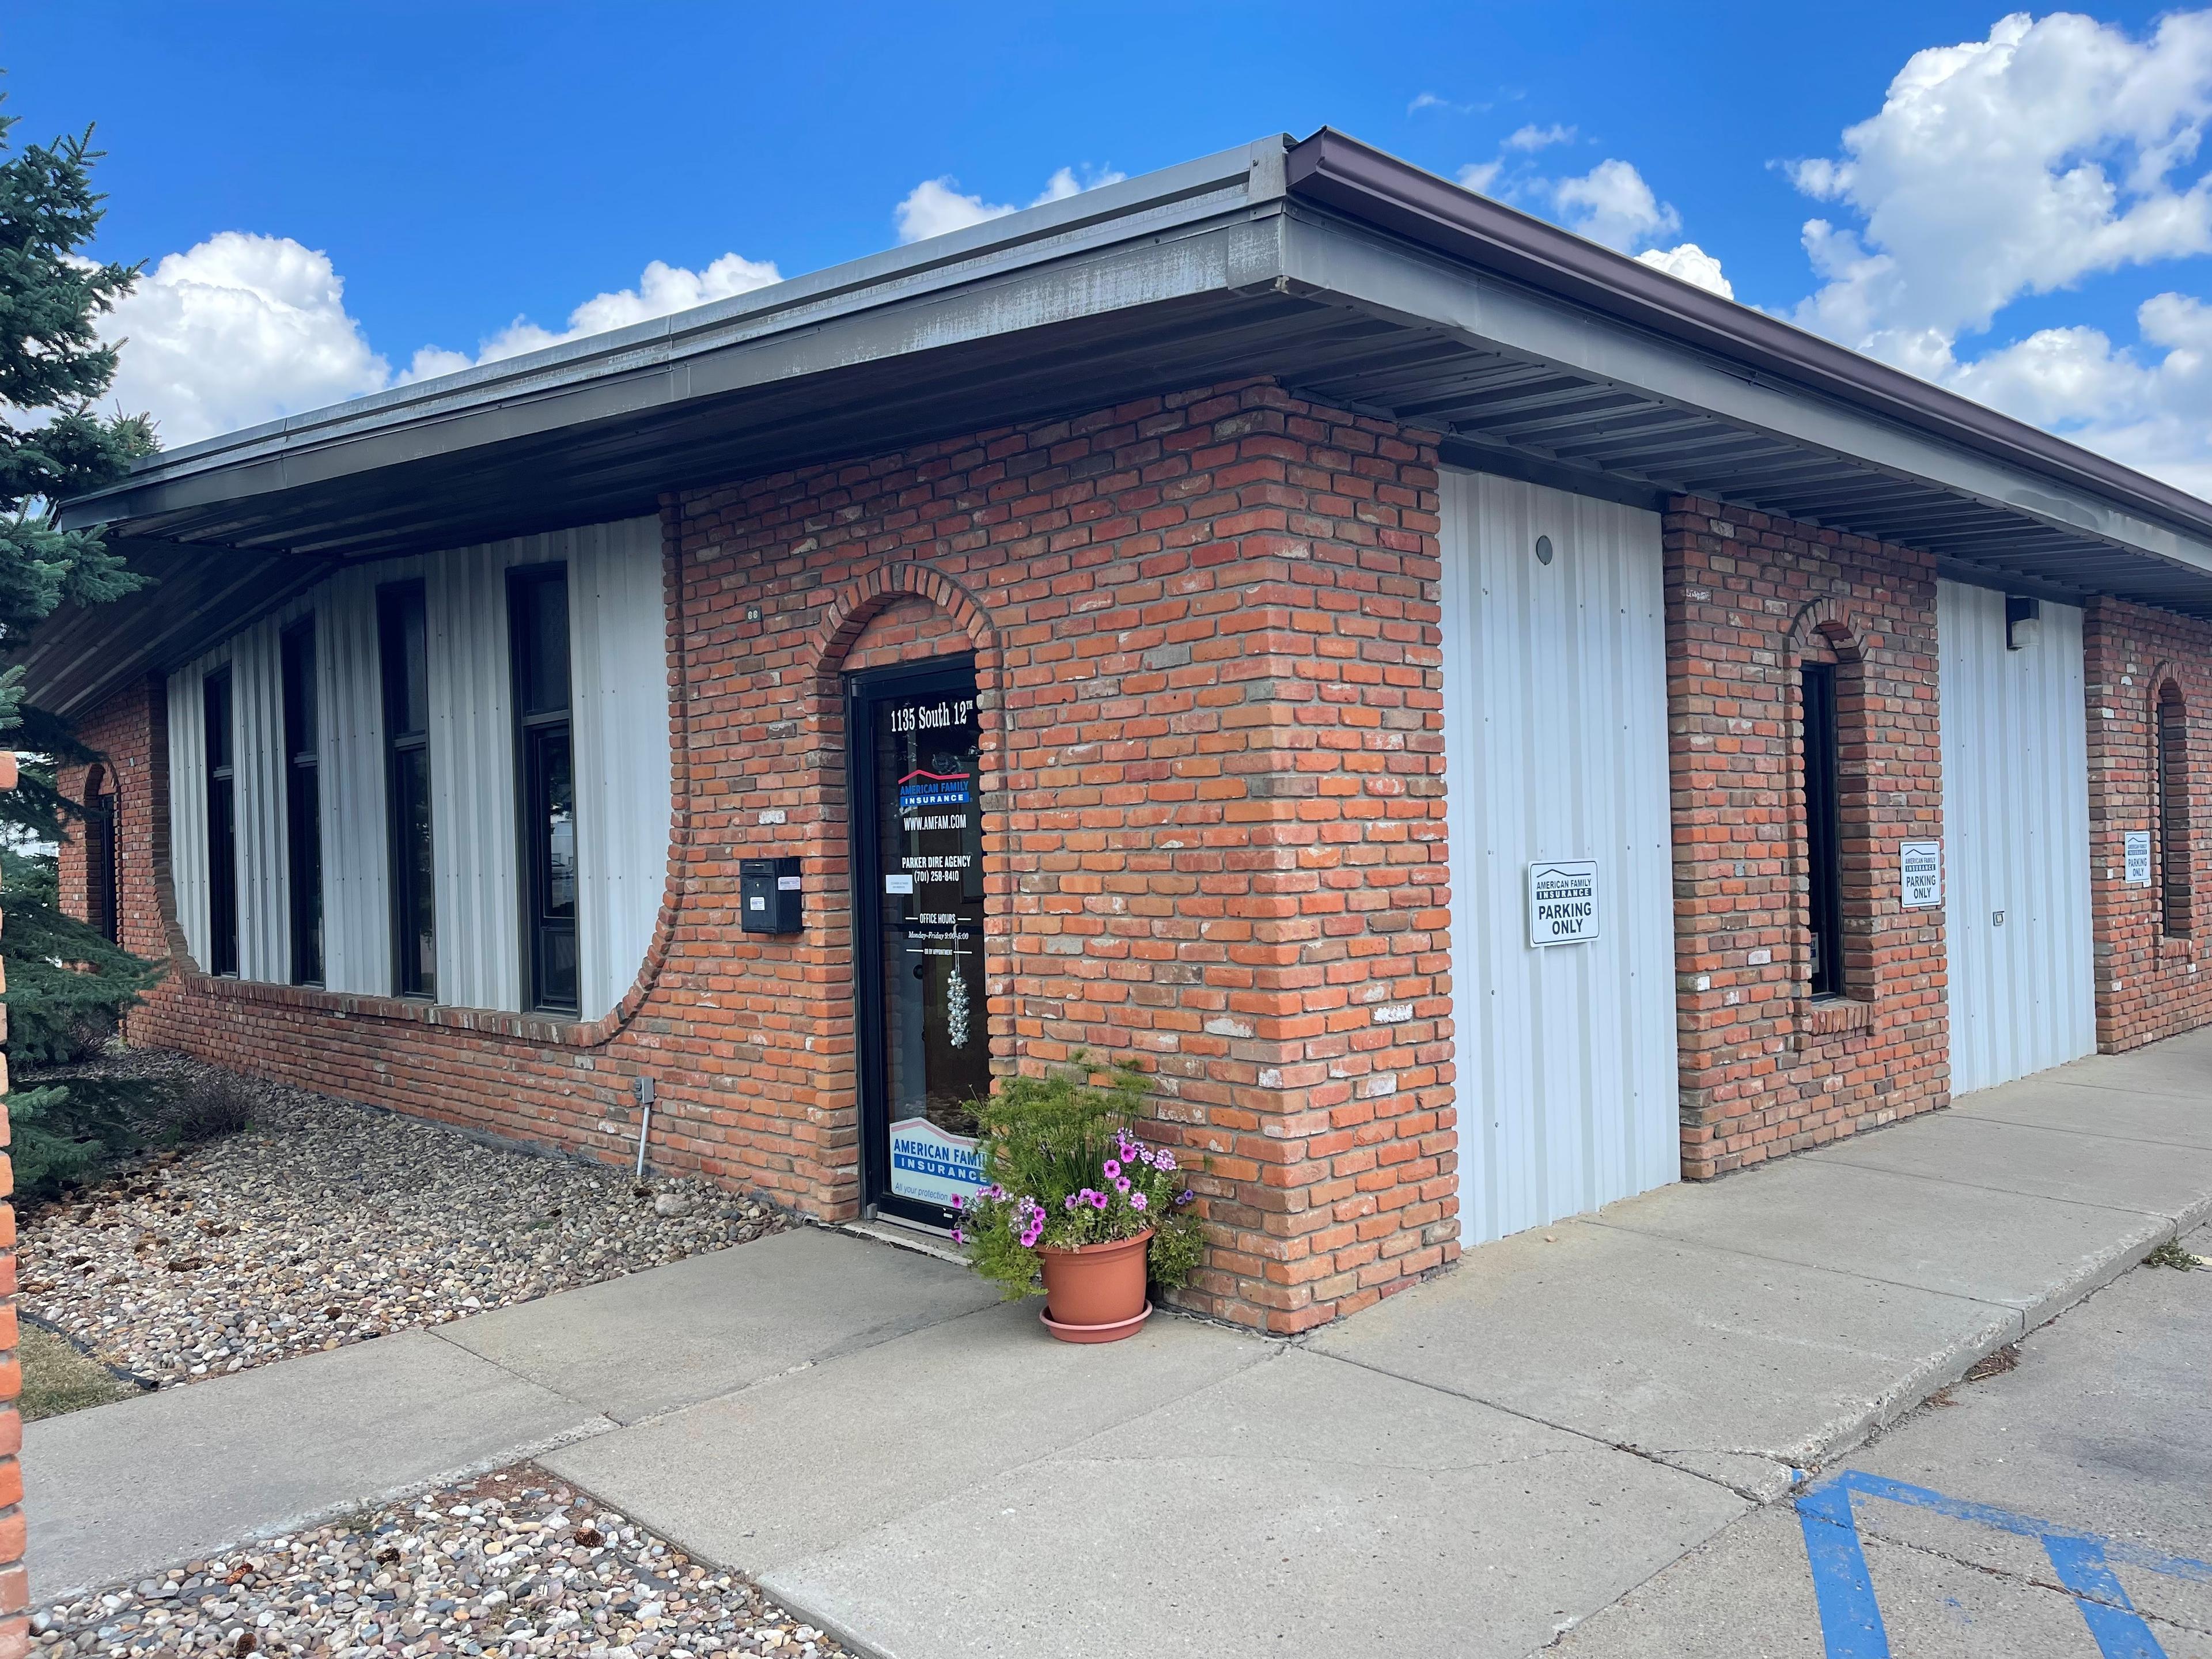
(2009,1576)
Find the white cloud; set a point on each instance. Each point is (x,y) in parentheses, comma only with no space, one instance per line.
(1532,138)
(1480,176)
(238,330)
(2016,165)
(242,329)
(936,206)
(1690,263)
(2055,150)
(1611,203)
(662,290)
(1433,100)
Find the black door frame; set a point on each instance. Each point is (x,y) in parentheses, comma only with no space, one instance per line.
(871,1061)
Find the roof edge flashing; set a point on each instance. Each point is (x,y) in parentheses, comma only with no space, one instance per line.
(1259,166)
(1343,174)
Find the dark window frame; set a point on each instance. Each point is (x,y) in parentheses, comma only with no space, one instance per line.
(2170,826)
(1819,768)
(218,725)
(407,764)
(303,814)
(103,855)
(545,728)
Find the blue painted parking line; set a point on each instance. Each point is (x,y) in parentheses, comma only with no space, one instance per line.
(1851,1616)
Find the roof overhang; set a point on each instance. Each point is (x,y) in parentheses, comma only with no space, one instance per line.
(1354,278)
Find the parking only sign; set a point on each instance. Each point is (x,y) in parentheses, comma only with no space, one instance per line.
(1563,902)
(1920,873)
(2138,855)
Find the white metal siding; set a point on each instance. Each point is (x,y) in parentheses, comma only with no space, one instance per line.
(188,864)
(619,652)
(620,716)
(1555,740)
(472,829)
(356,891)
(2016,841)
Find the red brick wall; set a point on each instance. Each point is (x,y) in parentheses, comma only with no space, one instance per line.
(2150,982)
(1206,629)
(124,731)
(1750,598)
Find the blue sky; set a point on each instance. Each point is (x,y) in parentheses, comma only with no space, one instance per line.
(463,166)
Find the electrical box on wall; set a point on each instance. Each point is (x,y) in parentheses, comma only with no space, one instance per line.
(768,895)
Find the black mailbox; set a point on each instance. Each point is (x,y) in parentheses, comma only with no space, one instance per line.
(768,895)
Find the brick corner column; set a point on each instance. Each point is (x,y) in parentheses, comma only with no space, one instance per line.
(15,1576)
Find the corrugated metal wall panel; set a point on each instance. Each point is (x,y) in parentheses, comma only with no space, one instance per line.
(356,883)
(1555,740)
(619,641)
(472,829)
(2016,841)
(623,766)
(188,870)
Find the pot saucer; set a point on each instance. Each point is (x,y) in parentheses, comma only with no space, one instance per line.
(1113,1333)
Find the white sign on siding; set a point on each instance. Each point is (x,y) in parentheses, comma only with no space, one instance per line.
(1920,873)
(1563,902)
(2138,845)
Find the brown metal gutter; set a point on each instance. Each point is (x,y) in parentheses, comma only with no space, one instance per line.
(1365,184)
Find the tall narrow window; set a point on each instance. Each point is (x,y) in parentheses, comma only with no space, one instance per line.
(538,617)
(1823,831)
(103,884)
(2170,768)
(403,631)
(221,825)
(303,805)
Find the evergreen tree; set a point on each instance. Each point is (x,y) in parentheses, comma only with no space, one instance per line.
(66,984)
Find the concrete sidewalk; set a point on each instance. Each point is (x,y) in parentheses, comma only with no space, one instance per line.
(1470,1468)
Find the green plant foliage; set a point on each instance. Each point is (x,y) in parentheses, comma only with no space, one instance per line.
(66,985)
(1065,1168)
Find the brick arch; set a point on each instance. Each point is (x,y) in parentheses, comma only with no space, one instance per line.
(2167,673)
(859,600)
(1828,619)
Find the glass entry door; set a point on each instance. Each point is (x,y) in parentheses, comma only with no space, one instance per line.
(918,958)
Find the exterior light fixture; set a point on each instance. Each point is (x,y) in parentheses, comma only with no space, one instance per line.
(2023,617)
(1543,550)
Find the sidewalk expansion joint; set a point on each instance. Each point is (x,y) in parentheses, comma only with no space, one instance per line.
(1584,1435)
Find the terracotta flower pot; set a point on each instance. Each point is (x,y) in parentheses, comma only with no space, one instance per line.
(1096,1293)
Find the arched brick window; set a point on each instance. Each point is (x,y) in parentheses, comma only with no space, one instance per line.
(103,875)
(2170,810)
(1832,835)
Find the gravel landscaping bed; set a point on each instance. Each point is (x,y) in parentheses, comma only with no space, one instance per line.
(514,1564)
(327,1224)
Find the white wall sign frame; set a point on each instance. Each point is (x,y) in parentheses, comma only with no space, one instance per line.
(2138,857)
(1920,874)
(1565,907)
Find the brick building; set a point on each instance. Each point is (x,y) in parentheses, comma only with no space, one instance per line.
(1488,727)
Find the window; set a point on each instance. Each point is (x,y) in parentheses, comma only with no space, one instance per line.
(103,878)
(537,631)
(403,638)
(2170,777)
(1823,831)
(303,805)
(221,825)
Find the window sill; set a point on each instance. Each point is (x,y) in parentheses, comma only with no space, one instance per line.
(549,1031)
(1826,1016)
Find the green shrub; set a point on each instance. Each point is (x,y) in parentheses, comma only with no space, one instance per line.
(1065,1168)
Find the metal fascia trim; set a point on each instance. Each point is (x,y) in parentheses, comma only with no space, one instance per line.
(1357,180)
